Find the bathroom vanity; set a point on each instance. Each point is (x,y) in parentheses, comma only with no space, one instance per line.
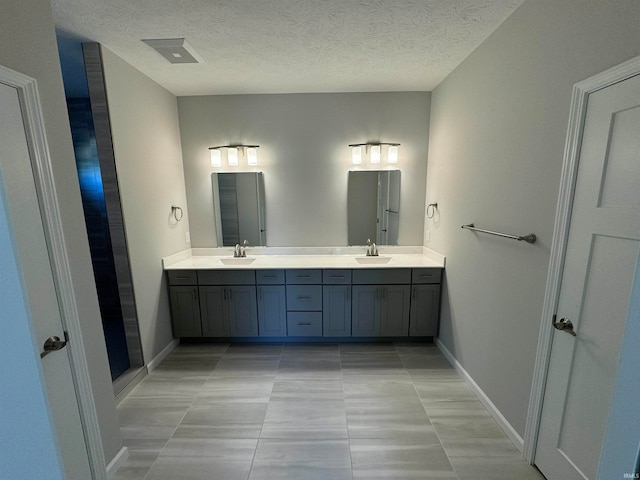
(305,297)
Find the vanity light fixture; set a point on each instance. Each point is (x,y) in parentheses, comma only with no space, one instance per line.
(216,158)
(375,154)
(375,151)
(233,154)
(252,156)
(356,154)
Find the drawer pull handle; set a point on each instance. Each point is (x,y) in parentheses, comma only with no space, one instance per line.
(304,298)
(304,324)
(427,276)
(181,278)
(337,276)
(269,276)
(304,276)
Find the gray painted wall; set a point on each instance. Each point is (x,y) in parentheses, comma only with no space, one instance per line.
(305,158)
(498,125)
(29,46)
(146,143)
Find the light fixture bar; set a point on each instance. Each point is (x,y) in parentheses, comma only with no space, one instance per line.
(371,144)
(220,147)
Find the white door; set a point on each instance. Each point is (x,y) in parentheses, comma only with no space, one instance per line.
(26,225)
(598,273)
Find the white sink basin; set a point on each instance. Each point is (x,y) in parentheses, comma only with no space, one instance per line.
(237,261)
(366,260)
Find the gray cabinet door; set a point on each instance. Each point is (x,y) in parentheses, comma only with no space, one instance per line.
(243,312)
(214,310)
(336,311)
(425,310)
(272,311)
(394,311)
(365,311)
(185,311)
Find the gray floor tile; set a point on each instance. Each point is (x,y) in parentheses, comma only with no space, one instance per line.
(225,414)
(308,412)
(308,390)
(494,469)
(360,348)
(388,459)
(251,366)
(251,349)
(234,449)
(305,420)
(315,349)
(302,459)
(233,389)
(309,367)
(159,411)
(198,468)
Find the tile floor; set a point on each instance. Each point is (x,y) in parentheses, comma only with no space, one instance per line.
(311,412)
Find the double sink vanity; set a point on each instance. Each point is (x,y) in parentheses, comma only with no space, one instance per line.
(305,293)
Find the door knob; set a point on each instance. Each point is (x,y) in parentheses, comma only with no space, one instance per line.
(53,344)
(563,324)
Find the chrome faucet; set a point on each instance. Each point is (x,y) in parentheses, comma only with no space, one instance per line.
(372,249)
(240,251)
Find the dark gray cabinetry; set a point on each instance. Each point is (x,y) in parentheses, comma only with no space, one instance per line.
(228,311)
(304,303)
(272,311)
(185,311)
(367,302)
(228,306)
(243,312)
(336,310)
(214,310)
(425,302)
(380,310)
(381,302)
(272,307)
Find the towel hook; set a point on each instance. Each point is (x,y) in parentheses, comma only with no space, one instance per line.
(176,212)
(433,207)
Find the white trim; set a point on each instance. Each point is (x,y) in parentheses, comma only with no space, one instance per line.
(581,92)
(117,461)
(502,422)
(162,355)
(50,210)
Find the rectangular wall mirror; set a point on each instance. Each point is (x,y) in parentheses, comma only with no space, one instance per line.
(239,210)
(373,207)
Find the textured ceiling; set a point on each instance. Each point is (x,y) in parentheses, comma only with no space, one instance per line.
(290,46)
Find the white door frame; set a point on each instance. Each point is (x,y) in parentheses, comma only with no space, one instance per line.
(581,92)
(35,131)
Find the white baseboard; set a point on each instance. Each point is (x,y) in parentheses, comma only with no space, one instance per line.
(117,462)
(484,399)
(162,355)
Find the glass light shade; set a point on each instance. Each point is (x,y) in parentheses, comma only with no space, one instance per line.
(232,156)
(216,158)
(252,156)
(356,155)
(392,154)
(375,153)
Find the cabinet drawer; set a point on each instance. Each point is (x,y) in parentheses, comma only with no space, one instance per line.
(336,277)
(304,324)
(378,276)
(226,277)
(426,275)
(270,277)
(182,277)
(304,297)
(304,277)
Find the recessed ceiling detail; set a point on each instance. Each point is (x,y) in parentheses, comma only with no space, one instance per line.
(174,50)
(291,46)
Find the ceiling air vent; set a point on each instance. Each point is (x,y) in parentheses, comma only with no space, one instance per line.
(175,50)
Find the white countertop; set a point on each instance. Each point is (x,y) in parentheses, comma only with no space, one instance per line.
(259,258)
